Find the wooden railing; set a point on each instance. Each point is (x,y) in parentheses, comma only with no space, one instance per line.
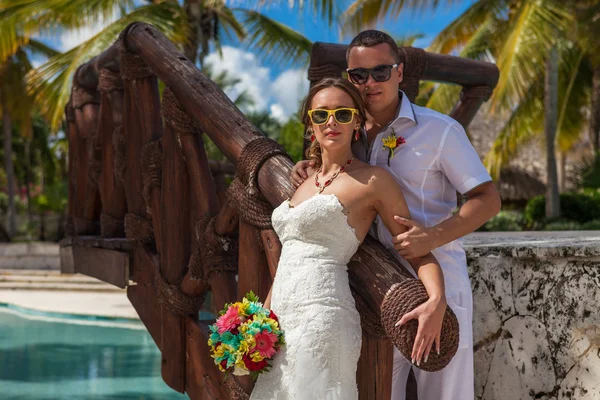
(144,211)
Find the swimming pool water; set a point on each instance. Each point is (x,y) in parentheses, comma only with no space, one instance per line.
(62,359)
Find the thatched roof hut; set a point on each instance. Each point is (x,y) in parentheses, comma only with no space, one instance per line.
(525,176)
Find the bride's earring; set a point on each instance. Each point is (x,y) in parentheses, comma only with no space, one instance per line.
(357,134)
(312,138)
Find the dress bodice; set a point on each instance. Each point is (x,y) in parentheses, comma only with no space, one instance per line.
(319,223)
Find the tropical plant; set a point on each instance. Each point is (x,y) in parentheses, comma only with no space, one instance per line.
(16,107)
(194,25)
(292,138)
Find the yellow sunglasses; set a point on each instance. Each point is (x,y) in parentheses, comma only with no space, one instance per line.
(342,115)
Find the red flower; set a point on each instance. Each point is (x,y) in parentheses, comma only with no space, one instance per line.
(224,364)
(400,140)
(273,316)
(252,365)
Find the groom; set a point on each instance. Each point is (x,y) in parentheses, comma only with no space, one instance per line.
(433,161)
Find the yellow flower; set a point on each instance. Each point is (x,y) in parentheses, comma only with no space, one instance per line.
(256,357)
(244,347)
(219,351)
(389,142)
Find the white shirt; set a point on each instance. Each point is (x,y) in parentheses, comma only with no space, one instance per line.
(436,161)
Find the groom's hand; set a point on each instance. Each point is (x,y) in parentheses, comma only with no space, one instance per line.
(416,242)
(300,173)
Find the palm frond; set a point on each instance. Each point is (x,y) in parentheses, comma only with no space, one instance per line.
(276,41)
(22,19)
(12,84)
(230,24)
(51,82)
(444,97)
(465,27)
(36,15)
(408,40)
(525,122)
(362,14)
(574,82)
(320,8)
(36,47)
(523,50)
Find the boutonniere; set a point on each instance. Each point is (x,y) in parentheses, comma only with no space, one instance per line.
(392,143)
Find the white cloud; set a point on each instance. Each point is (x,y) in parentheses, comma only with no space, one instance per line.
(289,88)
(281,96)
(254,78)
(277,112)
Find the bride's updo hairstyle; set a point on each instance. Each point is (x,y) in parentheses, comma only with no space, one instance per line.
(313,152)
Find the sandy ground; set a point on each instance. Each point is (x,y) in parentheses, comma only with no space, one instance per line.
(112,304)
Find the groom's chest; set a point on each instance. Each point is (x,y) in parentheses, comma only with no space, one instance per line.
(415,157)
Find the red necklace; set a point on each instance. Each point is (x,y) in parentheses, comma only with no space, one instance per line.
(328,182)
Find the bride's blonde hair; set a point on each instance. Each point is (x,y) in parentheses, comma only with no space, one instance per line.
(313,152)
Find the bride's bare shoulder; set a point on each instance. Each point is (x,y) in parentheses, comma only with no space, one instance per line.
(378,177)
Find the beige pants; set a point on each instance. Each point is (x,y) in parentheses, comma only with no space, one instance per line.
(456,381)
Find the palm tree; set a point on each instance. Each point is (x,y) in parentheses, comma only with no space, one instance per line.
(17,108)
(195,25)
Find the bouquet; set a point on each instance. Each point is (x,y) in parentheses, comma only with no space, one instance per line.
(245,337)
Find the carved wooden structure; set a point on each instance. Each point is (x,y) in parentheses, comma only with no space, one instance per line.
(144,211)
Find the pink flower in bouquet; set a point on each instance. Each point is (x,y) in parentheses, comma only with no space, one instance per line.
(229,320)
(265,343)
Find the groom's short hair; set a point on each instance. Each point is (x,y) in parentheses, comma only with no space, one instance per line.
(372,37)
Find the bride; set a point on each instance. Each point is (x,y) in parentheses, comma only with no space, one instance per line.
(320,229)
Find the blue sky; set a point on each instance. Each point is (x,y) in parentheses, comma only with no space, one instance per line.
(278,88)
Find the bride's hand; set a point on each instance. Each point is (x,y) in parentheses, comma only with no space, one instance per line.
(429,316)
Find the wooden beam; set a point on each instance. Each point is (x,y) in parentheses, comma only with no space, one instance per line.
(374,372)
(253,270)
(439,67)
(203,378)
(110,266)
(142,295)
(175,251)
(204,101)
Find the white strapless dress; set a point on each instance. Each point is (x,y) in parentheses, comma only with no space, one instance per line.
(311,295)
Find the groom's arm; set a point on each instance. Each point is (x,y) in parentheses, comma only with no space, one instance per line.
(461,166)
(482,204)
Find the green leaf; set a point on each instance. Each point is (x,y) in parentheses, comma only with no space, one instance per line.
(277,42)
(250,296)
(50,84)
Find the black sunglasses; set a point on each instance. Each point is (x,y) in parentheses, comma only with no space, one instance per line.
(380,73)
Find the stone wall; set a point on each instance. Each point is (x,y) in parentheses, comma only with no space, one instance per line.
(536,314)
(29,255)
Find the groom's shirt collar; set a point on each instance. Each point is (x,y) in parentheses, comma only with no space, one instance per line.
(404,112)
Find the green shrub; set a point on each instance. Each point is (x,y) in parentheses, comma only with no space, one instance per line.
(578,207)
(593,225)
(562,225)
(589,173)
(505,221)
